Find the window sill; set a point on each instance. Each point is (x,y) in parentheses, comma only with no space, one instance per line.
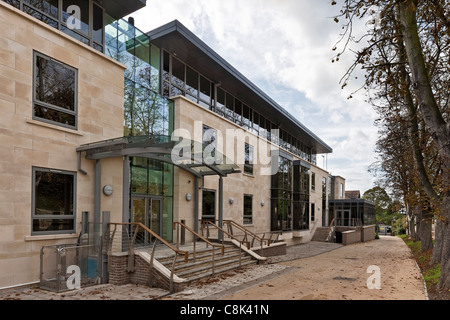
(52,126)
(248,175)
(51,237)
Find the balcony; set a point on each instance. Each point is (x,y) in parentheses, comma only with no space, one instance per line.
(83,20)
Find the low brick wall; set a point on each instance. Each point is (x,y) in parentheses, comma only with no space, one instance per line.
(119,274)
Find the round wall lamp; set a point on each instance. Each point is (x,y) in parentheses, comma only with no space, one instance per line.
(262,204)
(107,190)
(231,200)
(188,197)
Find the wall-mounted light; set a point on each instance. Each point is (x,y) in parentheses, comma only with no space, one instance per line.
(188,197)
(262,204)
(107,190)
(231,200)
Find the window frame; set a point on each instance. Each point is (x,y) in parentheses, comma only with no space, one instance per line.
(39,103)
(48,217)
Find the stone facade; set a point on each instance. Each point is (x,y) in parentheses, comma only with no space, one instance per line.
(26,143)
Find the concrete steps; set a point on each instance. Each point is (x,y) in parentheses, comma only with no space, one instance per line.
(321,234)
(201,265)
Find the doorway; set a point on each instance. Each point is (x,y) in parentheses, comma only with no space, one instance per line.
(148,211)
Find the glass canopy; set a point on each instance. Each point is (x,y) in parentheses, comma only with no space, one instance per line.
(161,148)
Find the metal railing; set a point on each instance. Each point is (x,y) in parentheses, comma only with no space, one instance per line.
(179,227)
(331,232)
(137,235)
(206,224)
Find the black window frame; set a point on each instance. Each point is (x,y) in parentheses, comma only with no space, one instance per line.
(41,104)
(35,217)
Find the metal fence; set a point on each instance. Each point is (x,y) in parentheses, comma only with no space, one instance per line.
(68,266)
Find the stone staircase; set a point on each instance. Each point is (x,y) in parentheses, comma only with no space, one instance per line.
(200,266)
(321,234)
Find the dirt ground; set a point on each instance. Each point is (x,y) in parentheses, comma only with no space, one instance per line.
(342,274)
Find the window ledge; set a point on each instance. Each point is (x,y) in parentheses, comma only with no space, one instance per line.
(51,237)
(248,175)
(52,126)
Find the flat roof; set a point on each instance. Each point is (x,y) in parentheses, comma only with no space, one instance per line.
(178,40)
(121,8)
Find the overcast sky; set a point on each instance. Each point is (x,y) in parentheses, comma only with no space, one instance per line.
(285,48)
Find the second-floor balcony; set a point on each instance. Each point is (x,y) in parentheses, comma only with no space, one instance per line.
(84,20)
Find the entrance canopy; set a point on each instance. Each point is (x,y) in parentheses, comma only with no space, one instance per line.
(189,154)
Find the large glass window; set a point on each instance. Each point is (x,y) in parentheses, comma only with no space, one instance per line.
(281,196)
(301,213)
(55,92)
(54,194)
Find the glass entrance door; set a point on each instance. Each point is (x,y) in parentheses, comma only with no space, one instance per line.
(148,211)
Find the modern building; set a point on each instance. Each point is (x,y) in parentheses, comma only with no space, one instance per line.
(99,119)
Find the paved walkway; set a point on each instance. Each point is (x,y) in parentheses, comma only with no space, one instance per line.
(232,284)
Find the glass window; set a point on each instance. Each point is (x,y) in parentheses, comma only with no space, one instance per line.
(178,73)
(248,166)
(247,117)
(49,7)
(229,107)
(53,201)
(55,90)
(248,209)
(220,106)
(14,3)
(192,82)
(98,25)
(209,205)
(238,112)
(205,90)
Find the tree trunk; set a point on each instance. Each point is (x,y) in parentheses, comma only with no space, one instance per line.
(433,119)
(425,234)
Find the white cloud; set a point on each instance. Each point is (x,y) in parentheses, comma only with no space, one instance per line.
(285,47)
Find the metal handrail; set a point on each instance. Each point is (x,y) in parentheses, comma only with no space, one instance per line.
(331,231)
(157,239)
(248,232)
(208,223)
(179,225)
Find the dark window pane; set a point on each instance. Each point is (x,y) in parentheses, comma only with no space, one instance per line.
(178,73)
(209,205)
(205,89)
(54,115)
(166,66)
(229,104)
(98,24)
(237,111)
(54,194)
(55,83)
(49,7)
(46,225)
(220,106)
(248,209)
(191,82)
